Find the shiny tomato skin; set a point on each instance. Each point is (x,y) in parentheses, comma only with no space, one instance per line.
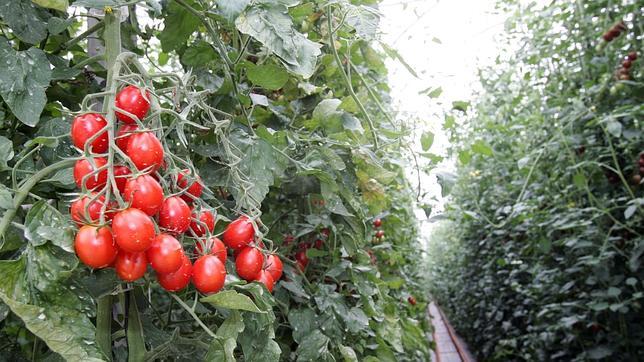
(145,151)
(274,266)
(78,207)
(266,278)
(212,246)
(144,193)
(130,266)
(165,254)
(123,135)
(133,230)
(95,246)
(195,189)
(174,215)
(178,280)
(84,167)
(301,259)
(249,263)
(87,125)
(208,274)
(132,100)
(377,223)
(380,234)
(207,218)
(239,233)
(121,174)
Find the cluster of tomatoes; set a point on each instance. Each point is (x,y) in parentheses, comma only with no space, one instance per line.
(624,71)
(152,218)
(614,32)
(377,223)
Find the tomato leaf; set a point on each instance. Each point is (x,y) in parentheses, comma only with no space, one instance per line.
(230,299)
(268,76)
(28,22)
(179,25)
(426,140)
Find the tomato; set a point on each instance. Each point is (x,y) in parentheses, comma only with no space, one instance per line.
(121,174)
(301,259)
(178,280)
(627,63)
(133,230)
(195,189)
(326,232)
(274,266)
(145,150)
(130,266)
(93,215)
(87,125)
(380,234)
(144,193)
(165,254)
(632,56)
(174,215)
(239,233)
(132,100)
(288,239)
(411,300)
(208,274)
(83,168)
(266,278)
(123,135)
(249,263)
(377,223)
(319,243)
(212,246)
(207,218)
(95,246)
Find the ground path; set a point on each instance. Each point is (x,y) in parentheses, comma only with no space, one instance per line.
(449,347)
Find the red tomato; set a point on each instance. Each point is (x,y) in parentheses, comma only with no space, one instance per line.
(632,56)
(212,246)
(145,150)
(207,218)
(377,223)
(301,259)
(195,189)
(87,125)
(165,254)
(266,278)
(93,215)
(174,215)
(178,280)
(319,243)
(95,246)
(249,263)
(326,232)
(274,266)
(380,234)
(130,266)
(121,174)
(123,135)
(132,100)
(83,168)
(239,233)
(133,230)
(208,274)
(144,193)
(411,300)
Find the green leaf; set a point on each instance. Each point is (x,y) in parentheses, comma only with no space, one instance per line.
(232,326)
(426,140)
(23,80)
(44,223)
(272,27)
(221,350)
(198,53)
(348,354)
(460,106)
(303,322)
(60,5)
(393,54)
(179,25)
(481,148)
(446,180)
(314,346)
(6,152)
(614,128)
(6,198)
(630,211)
(450,122)
(268,76)
(432,92)
(363,19)
(26,21)
(230,9)
(230,299)
(464,157)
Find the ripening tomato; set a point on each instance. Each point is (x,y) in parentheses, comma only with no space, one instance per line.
(165,254)
(208,274)
(174,215)
(85,127)
(83,168)
(133,230)
(301,259)
(121,174)
(130,266)
(178,280)
(239,233)
(377,223)
(144,193)
(123,135)
(145,150)
(208,220)
(195,188)
(274,266)
(79,207)
(380,234)
(131,100)
(249,263)
(266,278)
(411,300)
(212,246)
(95,246)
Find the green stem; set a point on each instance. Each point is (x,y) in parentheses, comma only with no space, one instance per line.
(135,342)
(91,30)
(104,324)
(193,315)
(88,61)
